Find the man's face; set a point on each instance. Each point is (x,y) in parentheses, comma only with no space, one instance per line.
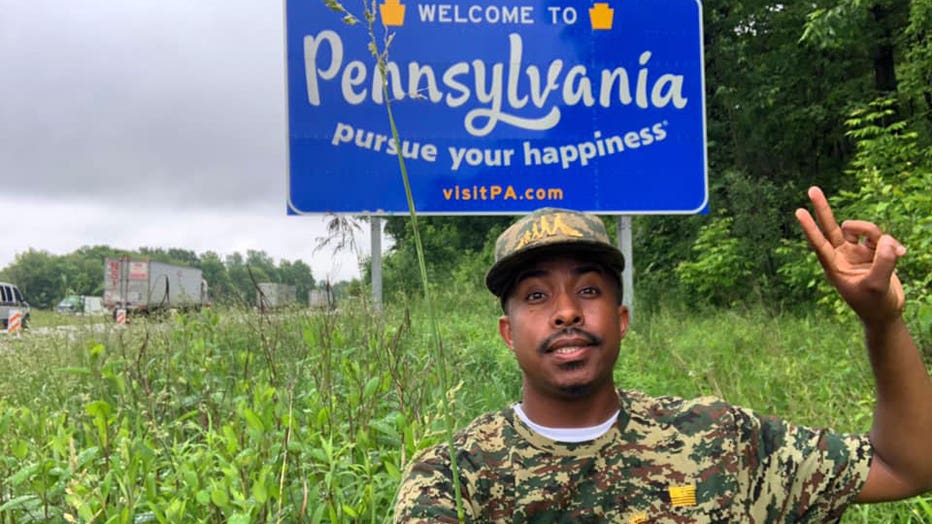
(564,325)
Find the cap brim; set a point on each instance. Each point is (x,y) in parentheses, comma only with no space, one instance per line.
(501,275)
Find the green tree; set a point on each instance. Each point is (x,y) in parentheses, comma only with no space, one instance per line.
(719,273)
(262,266)
(870,29)
(893,35)
(915,70)
(83,269)
(241,290)
(774,106)
(781,80)
(38,274)
(448,242)
(182,257)
(215,273)
(298,274)
(894,176)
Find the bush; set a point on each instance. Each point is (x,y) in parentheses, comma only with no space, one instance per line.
(720,272)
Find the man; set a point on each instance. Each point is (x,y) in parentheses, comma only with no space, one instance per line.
(576,449)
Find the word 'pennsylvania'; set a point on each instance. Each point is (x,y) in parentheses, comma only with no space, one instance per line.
(496,92)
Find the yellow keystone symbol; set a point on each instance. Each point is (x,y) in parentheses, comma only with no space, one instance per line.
(601,16)
(393,13)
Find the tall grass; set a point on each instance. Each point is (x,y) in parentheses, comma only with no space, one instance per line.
(306,416)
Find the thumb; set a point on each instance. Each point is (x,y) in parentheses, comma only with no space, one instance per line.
(887,252)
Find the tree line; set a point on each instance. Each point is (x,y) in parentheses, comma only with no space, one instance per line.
(45,278)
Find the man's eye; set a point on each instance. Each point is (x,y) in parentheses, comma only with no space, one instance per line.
(535,296)
(590,291)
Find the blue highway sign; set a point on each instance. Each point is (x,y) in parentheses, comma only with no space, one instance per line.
(501,107)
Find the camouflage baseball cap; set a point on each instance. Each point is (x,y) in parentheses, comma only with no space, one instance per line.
(550,231)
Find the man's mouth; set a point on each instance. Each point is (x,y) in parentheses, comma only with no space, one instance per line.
(570,357)
(569,342)
(567,350)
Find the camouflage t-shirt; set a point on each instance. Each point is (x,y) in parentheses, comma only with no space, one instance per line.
(666,460)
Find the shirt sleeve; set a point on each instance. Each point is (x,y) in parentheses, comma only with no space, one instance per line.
(800,474)
(427,494)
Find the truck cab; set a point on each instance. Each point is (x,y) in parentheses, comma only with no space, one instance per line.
(81,305)
(11,298)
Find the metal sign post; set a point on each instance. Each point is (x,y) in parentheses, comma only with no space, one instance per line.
(376,259)
(627,275)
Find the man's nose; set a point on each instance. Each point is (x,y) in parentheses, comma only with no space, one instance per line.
(566,311)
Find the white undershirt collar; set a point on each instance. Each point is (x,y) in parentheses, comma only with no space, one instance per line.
(567,434)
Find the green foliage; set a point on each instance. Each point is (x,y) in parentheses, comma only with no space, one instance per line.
(231,416)
(915,71)
(660,243)
(449,242)
(777,101)
(774,105)
(837,25)
(38,276)
(719,273)
(892,174)
(298,274)
(182,257)
(45,278)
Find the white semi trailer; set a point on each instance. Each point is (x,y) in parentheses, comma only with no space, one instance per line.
(271,295)
(147,286)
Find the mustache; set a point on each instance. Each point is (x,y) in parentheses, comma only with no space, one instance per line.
(589,338)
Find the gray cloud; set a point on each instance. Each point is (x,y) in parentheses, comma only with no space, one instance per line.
(154,123)
(175,102)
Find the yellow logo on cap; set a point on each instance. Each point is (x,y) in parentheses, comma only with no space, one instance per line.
(601,16)
(544,228)
(682,495)
(393,13)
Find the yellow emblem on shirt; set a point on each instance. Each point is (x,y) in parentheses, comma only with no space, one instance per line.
(682,495)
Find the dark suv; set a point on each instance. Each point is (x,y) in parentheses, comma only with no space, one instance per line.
(11,298)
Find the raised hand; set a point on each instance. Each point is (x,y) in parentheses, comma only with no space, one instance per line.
(858,259)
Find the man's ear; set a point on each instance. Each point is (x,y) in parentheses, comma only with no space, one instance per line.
(624,319)
(504,330)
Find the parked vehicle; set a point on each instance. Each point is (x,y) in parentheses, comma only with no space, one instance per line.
(146,286)
(11,298)
(271,295)
(81,305)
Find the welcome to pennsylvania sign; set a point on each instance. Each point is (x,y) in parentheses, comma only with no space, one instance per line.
(501,107)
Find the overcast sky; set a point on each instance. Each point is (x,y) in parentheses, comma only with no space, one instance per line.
(154,123)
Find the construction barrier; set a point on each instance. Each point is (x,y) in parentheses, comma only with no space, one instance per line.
(15,322)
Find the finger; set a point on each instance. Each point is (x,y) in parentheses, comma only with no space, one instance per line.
(826,218)
(822,247)
(854,230)
(810,229)
(885,256)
